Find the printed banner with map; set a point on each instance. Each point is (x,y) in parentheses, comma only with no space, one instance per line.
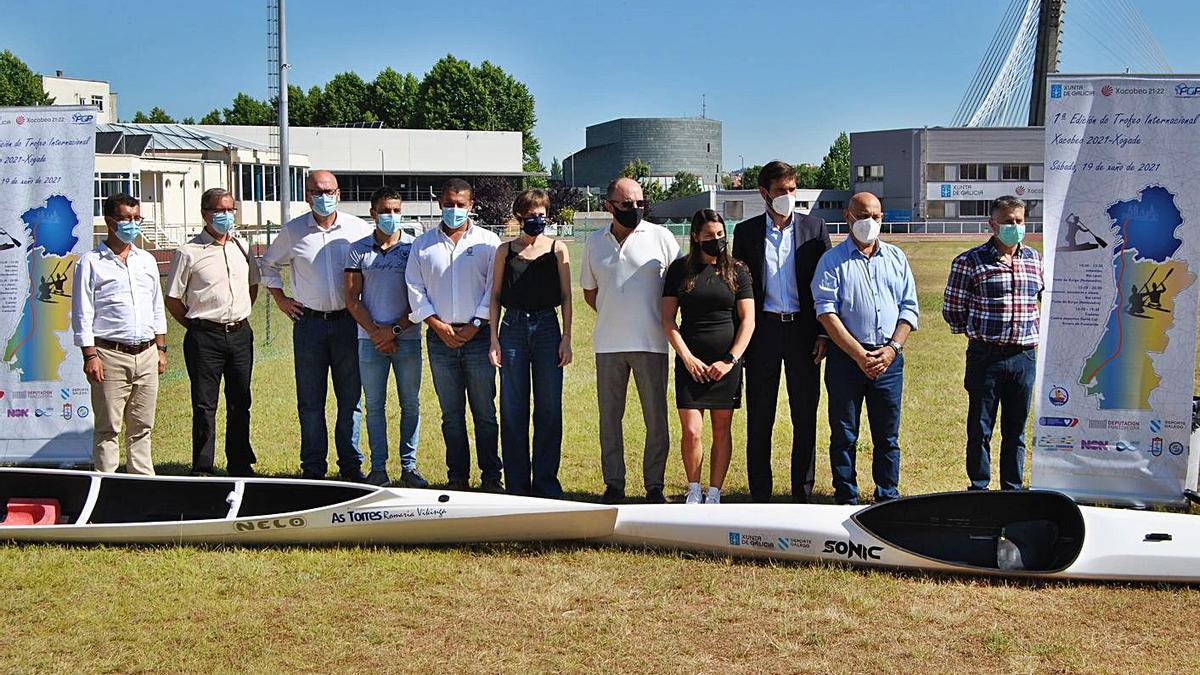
(47,159)
(1122,240)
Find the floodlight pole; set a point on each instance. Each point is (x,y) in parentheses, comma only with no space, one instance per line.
(285,185)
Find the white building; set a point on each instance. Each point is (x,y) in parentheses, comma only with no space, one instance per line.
(415,161)
(74,91)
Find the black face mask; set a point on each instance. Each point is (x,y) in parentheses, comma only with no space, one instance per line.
(628,219)
(533,225)
(713,247)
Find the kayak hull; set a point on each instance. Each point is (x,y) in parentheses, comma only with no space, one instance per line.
(964,533)
(107,508)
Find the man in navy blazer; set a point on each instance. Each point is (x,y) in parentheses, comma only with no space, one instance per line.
(782,248)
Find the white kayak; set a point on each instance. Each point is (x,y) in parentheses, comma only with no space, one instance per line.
(49,505)
(1023,534)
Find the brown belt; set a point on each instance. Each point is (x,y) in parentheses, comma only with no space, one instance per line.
(136,348)
(218,326)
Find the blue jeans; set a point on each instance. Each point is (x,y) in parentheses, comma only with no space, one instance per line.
(997,377)
(848,387)
(374,366)
(322,348)
(529,347)
(461,375)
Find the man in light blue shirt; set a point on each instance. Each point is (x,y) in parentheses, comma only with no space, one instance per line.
(866,299)
(377,298)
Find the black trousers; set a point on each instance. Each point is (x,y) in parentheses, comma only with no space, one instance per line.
(788,344)
(211,355)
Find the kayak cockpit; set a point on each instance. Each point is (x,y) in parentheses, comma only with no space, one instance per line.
(1025,531)
(110,499)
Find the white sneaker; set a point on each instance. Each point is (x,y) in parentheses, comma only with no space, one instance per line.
(713,496)
(694,497)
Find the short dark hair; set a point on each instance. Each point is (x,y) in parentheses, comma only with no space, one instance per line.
(773,171)
(1007,202)
(118,200)
(457,185)
(211,196)
(383,194)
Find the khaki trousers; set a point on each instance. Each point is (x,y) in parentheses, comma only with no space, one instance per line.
(127,397)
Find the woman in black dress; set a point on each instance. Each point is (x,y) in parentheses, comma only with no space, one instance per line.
(714,292)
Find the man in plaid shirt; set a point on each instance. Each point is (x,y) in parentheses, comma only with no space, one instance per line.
(992,296)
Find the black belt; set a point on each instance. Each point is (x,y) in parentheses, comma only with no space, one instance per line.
(872,348)
(136,348)
(783,317)
(324,316)
(999,348)
(218,326)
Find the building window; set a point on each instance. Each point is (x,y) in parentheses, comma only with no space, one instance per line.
(245,183)
(824,204)
(107,184)
(98,101)
(869,172)
(1014,172)
(258,182)
(708,147)
(972,171)
(270,172)
(975,207)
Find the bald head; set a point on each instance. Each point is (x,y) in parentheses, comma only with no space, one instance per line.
(624,188)
(320,180)
(863,205)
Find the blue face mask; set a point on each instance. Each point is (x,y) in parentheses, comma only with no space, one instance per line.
(128,230)
(222,222)
(387,223)
(1011,234)
(324,204)
(533,225)
(454,217)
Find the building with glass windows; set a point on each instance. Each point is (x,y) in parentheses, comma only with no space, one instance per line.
(76,91)
(943,179)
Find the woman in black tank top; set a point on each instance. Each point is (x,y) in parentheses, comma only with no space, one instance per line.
(531,278)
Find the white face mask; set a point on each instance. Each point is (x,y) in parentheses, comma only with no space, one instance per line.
(866,230)
(784,204)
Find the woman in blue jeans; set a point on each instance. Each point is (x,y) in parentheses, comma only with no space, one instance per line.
(532,277)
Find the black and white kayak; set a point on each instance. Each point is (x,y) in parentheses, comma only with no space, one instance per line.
(1023,534)
(49,505)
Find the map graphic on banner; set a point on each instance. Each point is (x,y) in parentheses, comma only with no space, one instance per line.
(1120,372)
(1122,253)
(47,164)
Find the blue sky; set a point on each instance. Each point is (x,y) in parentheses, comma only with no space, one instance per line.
(784,78)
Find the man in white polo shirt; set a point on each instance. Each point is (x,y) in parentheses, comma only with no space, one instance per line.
(324,335)
(119,324)
(622,279)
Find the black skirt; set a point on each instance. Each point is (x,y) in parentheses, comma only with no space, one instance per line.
(724,394)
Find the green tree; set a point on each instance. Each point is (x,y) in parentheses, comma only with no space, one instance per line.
(188,120)
(684,185)
(346,99)
(750,177)
(213,117)
(248,110)
(450,96)
(535,166)
(157,116)
(808,177)
(563,198)
(300,107)
(20,86)
(835,168)
(555,169)
(638,170)
(393,98)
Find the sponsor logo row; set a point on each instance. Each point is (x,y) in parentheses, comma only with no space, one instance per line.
(1155,447)
(1154,426)
(836,547)
(1181,90)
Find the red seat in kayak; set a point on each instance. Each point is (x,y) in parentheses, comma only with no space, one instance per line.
(24,511)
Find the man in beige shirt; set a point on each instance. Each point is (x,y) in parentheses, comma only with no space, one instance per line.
(210,291)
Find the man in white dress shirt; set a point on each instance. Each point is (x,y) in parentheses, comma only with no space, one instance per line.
(449,277)
(324,335)
(119,324)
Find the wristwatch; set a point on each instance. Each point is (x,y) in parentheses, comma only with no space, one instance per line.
(478,322)
(397,329)
(730,359)
(895,345)
(162,348)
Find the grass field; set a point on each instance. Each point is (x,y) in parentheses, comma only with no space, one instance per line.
(571,607)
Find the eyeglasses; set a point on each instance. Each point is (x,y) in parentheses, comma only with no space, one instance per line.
(629,204)
(324,193)
(218,210)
